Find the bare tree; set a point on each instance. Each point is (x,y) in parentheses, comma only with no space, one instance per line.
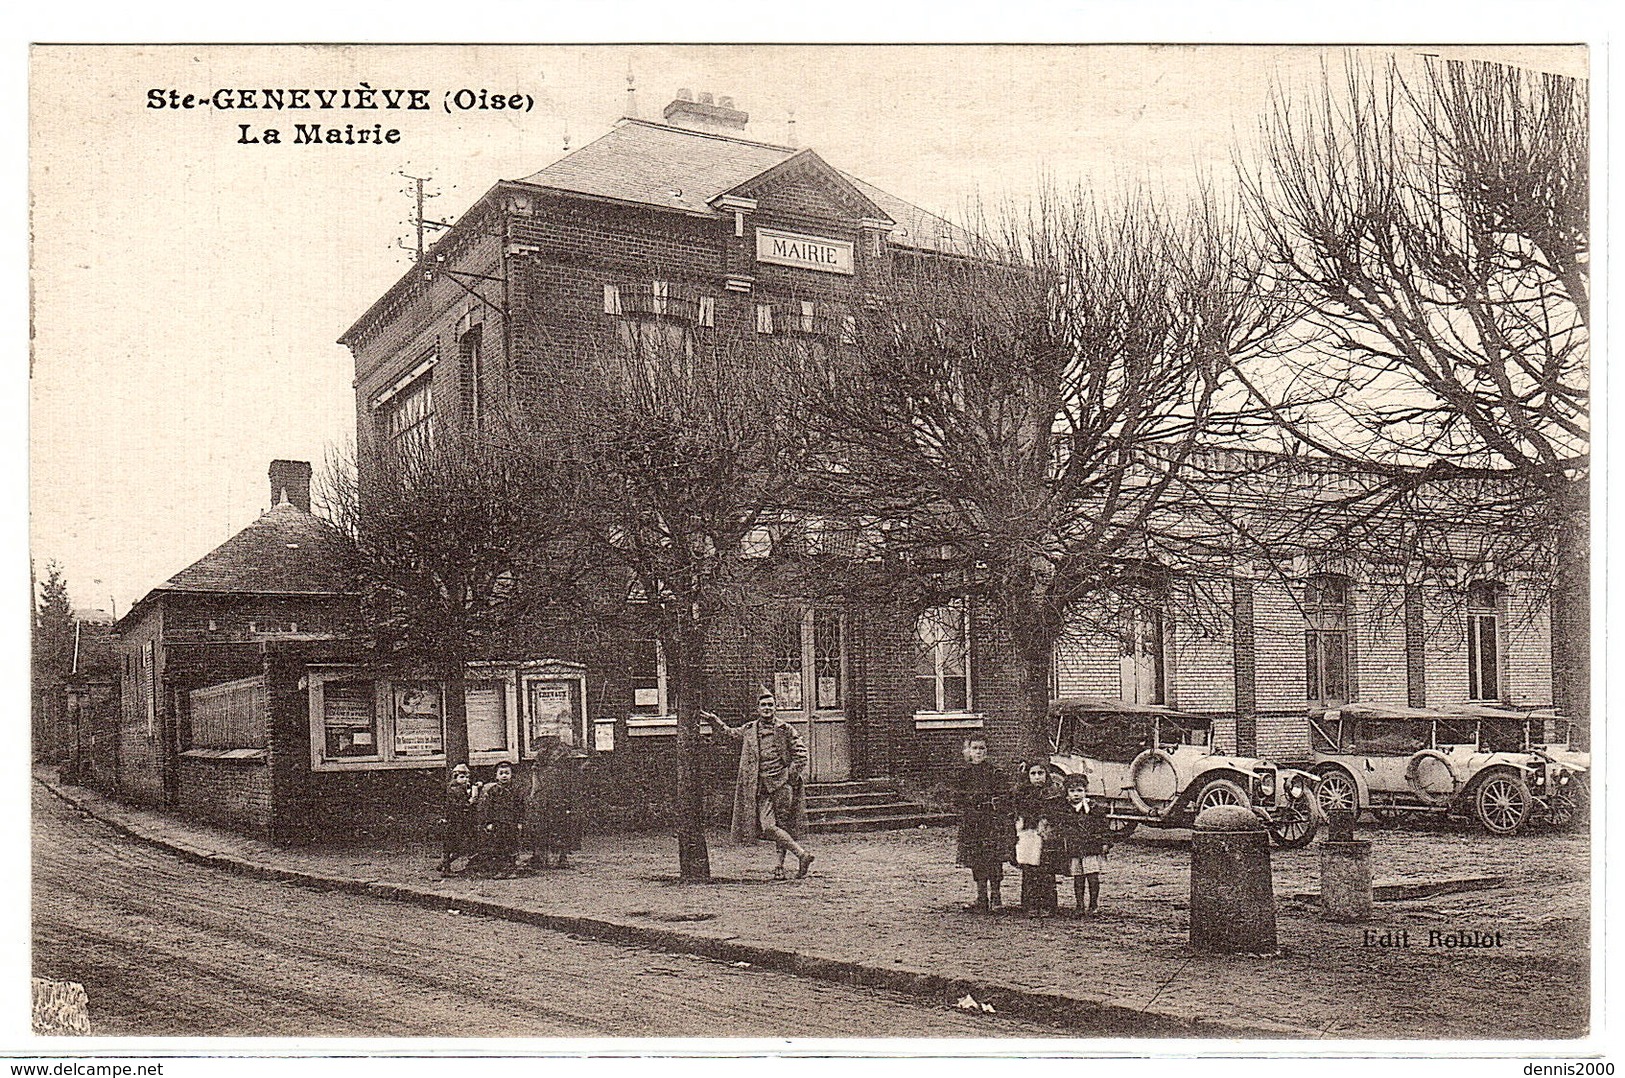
(462,538)
(693,448)
(1015,423)
(1433,228)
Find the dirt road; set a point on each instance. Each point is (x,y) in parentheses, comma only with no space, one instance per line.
(165,947)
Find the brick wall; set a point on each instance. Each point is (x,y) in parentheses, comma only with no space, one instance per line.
(1202,661)
(140,742)
(1527,632)
(232,793)
(1283,736)
(215,619)
(1278,641)
(1280,726)
(1088,662)
(1377,617)
(1444,645)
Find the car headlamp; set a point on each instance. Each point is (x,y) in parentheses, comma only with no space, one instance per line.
(1266,782)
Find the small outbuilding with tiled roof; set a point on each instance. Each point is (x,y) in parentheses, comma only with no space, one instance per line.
(284,580)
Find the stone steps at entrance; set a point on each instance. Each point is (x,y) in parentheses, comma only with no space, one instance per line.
(879,797)
(866,805)
(851,786)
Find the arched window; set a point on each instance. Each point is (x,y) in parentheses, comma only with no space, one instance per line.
(942,659)
(1326,637)
(471,352)
(1484,640)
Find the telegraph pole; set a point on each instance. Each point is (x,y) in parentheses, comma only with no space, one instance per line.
(419,222)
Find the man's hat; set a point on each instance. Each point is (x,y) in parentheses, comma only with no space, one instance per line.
(1076,782)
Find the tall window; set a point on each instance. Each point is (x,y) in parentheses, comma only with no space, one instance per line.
(1483,640)
(828,651)
(1326,638)
(788,662)
(470,345)
(646,672)
(407,418)
(655,322)
(942,659)
(1144,671)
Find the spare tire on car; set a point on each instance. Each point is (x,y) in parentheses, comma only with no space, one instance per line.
(1432,777)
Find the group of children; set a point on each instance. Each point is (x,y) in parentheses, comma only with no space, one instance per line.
(1043,831)
(488,823)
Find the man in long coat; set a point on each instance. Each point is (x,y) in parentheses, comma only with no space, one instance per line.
(552,820)
(769,799)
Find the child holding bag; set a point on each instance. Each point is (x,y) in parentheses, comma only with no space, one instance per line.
(1038,851)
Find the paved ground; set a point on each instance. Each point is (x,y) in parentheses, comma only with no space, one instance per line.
(167,947)
(895,900)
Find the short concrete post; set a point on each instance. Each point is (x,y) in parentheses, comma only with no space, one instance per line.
(1232,890)
(1345,880)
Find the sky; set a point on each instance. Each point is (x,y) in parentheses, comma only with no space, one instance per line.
(188,285)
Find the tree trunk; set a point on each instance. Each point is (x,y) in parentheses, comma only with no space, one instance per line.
(454,676)
(683,672)
(1032,681)
(1034,655)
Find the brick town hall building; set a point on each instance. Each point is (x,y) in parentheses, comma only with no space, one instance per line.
(693,221)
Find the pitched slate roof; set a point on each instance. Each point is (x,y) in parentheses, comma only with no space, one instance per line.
(285,552)
(674,168)
(916,228)
(656,165)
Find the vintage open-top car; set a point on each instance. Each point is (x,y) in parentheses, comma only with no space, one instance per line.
(1544,733)
(1458,762)
(1158,766)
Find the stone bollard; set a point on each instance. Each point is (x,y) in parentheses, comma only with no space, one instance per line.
(1232,890)
(1345,880)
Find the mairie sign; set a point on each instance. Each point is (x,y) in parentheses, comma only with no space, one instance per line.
(803,252)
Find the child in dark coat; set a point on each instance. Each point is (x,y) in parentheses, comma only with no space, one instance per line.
(987,834)
(1038,809)
(500,808)
(1085,834)
(458,821)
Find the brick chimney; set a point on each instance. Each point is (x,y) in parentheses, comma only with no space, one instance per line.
(290,482)
(716,117)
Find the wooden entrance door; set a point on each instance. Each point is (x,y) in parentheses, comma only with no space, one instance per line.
(809,687)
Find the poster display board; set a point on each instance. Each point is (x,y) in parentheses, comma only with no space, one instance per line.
(487,716)
(349,719)
(554,709)
(420,729)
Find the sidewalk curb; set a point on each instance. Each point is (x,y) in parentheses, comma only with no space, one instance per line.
(1091,1016)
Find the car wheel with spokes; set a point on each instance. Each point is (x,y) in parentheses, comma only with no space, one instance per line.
(1222,792)
(1501,803)
(1337,793)
(1294,826)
